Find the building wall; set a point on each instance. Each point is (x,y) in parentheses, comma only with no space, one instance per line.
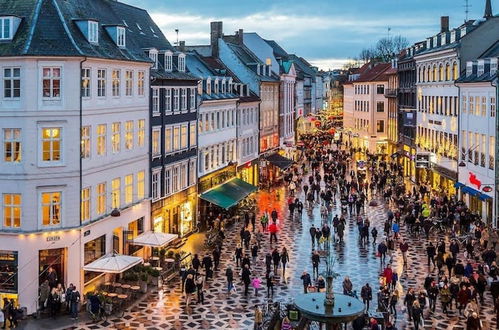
(247,132)
(269,116)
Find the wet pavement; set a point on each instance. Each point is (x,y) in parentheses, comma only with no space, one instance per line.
(165,308)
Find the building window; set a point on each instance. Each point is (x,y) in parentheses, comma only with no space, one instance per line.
(116,193)
(153,55)
(380,126)
(175,99)
(168,139)
(51,82)
(168,61)
(101,139)
(192,134)
(493,106)
(12,145)
(183,137)
(155,184)
(121,40)
(141,133)
(141,185)
(129,134)
(175,180)
(380,106)
(156,134)
(181,63)
(85,204)
(92,251)
(51,208)
(176,138)
(101,83)
(85,82)
(155,101)
(192,99)
(5,28)
(484,106)
(116,137)
(85,142)
(184,98)
(168,181)
(128,83)
(168,100)
(183,176)
(141,83)
(93,31)
(380,89)
(51,144)
(116,82)
(128,189)
(192,172)
(464,103)
(12,83)
(12,210)
(101,198)
(455,71)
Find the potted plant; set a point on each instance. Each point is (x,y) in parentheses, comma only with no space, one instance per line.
(154,277)
(162,253)
(170,254)
(143,282)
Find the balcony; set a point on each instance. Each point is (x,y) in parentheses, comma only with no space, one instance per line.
(391,92)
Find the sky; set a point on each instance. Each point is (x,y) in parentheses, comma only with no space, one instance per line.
(325,32)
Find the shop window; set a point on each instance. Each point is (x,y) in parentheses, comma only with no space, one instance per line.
(93,250)
(135,228)
(8,271)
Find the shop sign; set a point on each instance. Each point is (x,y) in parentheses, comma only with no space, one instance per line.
(474,181)
(53,238)
(487,189)
(86,233)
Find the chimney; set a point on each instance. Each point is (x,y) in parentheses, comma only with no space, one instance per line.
(216,33)
(181,46)
(240,36)
(488,10)
(444,24)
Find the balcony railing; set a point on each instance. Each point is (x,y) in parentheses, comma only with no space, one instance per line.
(391,92)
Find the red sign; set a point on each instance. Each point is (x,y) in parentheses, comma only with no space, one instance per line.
(474,180)
(487,189)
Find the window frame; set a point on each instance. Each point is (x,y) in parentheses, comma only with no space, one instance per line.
(51,206)
(156,142)
(115,137)
(101,139)
(10,28)
(93,32)
(51,140)
(141,185)
(155,184)
(141,81)
(101,83)
(11,215)
(85,209)
(128,82)
(129,189)
(51,78)
(86,142)
(116,82)
(86,82)
(101,191)
(121,37)
(12,140)
(11,79)
(141,133)
(129,134)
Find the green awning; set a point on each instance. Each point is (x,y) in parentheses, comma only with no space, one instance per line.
(229,194)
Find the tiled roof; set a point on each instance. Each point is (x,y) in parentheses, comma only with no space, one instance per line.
(377,72)
(486,77)
(248,58)
(278,50)
(493,51)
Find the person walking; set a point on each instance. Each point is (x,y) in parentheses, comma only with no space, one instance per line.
(256,283)
(274,215)
(73,301)
(432,296)
(312,232)
(431,252)
(305,277)
(6,313)
(347,286)
(207,264)
(254,252)
(200,290)
(382,248)
(258,318)
(445,298)
(276,259)
(316,259)
(394,298)
(417,315)
(404,247)
(246,279)
(190,288)
(239,254)
(196,263)
(284,261)
(270,284)
(216,258)
(229,274)
(273,232)
(366,293)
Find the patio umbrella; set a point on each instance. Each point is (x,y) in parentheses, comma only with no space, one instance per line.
(113,263)
(154,239)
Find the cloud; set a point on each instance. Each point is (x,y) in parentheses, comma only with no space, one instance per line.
(329,63)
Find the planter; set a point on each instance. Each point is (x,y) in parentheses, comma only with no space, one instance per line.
(143,286)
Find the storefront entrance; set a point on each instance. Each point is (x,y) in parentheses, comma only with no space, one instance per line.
(52,260)
(8,275)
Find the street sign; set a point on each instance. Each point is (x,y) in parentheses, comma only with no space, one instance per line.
(487,189)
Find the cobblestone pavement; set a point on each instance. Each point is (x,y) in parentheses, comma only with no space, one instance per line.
(165,308)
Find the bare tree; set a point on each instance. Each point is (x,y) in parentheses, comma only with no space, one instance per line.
(385,49)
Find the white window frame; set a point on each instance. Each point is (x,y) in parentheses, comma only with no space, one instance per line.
(192,171)
(155,187)
(176,138)
(6,35)
(116,137)
(141,132)
(121,37)
(51,151)
(116,193)
(192,99)
(51,78)
(9,210)
(192,134)
(101,82)
(176,100)
(156,142)
(51,206)
(155,102)
(11,78)
(168,61)
(184,136)
(13,138)
(181,62)
(168,101)
(141,185)
(86,82)
(168,139)
(129,83)
(85,209)
(116,82)
(168,181)
(93,32)
(153,55)
(129,132)
(86,144)
(128,189)
(101,139)
(101,198)
(175,178)
(141,81)
(183,99)
(183,170)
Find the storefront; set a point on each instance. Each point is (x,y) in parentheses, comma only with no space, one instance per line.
(208,182)
(407,159)
(52,260)
(477,192)
(8,275)
(272,167)
(249,172)
(176,214)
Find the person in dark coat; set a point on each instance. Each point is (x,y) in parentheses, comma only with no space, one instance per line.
(307,281)
(246,278)
(190,288)
(276,258)
(431,252)
(239,254)
(366,293)
(196,263)
(208,265)
(229,274)
(216,257)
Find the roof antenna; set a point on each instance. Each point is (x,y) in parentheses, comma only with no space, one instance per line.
(388,34)
(467,7)
(176,31)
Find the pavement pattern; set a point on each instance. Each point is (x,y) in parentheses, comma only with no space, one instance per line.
(164,308)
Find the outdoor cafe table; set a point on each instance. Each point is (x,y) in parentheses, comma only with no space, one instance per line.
(122,296)
(112,295)
(125,286)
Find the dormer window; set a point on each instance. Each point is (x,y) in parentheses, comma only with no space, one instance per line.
(481,68)
(223,86)
(93,32)
(453,36)
(153,55)
(181,62)
(5,28)
(469,69)
(435,41)
(493,66)
(216,86)
(208,86)
(120,36)
(168,61)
